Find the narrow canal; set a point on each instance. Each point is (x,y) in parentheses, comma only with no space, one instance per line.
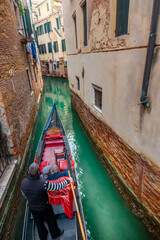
(108,217)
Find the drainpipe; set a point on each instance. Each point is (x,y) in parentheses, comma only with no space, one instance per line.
(149,56)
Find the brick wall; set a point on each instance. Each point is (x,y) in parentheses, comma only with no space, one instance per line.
(17,98)
(139,178)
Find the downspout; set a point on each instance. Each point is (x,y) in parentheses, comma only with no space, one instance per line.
(149,57)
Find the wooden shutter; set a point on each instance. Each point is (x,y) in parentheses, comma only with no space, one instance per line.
(49,47)
(57,22)
(122,17)
(55,46)
(45,27)
(85,23)
(28,22)
(63,45)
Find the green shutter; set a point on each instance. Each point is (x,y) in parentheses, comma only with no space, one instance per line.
(57,22)
(48,26)
(55,46)
(122,17)
(45,27)
(28,22)
(63,45)
(39,47)
(85,24)
(37,32)
(49,47)
(42,46)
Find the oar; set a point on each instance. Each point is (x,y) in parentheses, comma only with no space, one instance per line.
(79,216)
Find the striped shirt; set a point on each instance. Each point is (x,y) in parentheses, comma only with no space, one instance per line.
(49,186)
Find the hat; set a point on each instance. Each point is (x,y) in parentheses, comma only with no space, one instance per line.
(47,169)
(33,169)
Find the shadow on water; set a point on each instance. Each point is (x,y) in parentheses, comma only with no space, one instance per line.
(107,214)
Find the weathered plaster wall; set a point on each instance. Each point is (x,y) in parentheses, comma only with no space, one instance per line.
(121,88)
(101,19)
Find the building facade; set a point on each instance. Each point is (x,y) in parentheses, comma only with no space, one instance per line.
(107,44)
(20,90)
(51,39)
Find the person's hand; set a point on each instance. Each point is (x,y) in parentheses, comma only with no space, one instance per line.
(71,180)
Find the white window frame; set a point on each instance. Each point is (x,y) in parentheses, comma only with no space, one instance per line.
(99,89)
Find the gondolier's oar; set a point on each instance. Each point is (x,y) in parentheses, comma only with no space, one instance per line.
(78,213)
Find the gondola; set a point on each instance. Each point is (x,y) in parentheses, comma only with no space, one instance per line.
(54,148)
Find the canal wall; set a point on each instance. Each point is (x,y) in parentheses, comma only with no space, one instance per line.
(11,206)
(139,179)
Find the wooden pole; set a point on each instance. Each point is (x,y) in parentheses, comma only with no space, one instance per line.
(78,213)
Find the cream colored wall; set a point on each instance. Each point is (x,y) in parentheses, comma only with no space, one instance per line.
(52,36)
(118,73)
(102,31)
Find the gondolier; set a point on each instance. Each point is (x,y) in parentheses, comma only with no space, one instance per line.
(34,190)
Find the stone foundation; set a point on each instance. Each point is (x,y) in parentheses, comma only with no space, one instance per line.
(136,176)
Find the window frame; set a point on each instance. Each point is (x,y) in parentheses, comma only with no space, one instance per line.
(39,11)
(95,87)
(122,18)
(75,28)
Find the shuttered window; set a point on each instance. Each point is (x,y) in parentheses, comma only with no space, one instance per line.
(63,45)
(39,47)
(47,27)
(28,22)
(122,17)
(84,7)
(55,46)
(49,47)
(42,49)
(75,27)
(57,23)
(47,7)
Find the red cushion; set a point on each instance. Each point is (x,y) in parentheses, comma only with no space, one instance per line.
(42,165)
(63,164)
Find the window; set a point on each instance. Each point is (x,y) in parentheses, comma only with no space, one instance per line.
(78,83)
(75,27)
(29,81)
(49,47)
(35,73)
(42,49)
(39,12)
(57,64)
(97,97)
(44,45)
(57,23)
(39,47)
(63,45)
(47,27)
(41,29)
(55,46)
(47,7)
(65,64)
(122,17)
(84,8)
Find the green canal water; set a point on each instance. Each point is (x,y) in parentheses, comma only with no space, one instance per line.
(107,215)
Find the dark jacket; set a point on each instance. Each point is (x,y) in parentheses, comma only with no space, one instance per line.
(34,190)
